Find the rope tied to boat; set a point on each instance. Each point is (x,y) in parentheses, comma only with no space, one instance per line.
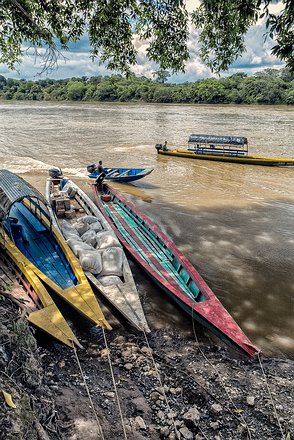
(99,427)
(161,385)
(114,384)
(270,395)
(219,376)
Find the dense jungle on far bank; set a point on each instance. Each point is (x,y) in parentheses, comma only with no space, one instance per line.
(270,86)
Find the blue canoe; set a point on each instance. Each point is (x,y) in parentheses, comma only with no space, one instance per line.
(47,265)
(122,175)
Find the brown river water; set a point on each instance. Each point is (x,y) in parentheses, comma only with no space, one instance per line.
(233,222)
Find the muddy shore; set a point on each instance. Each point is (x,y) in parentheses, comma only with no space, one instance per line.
(169,387)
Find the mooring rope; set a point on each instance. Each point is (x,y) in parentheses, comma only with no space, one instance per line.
(270,394)
(100,432)
(161,385)
(114,385)
(219,376)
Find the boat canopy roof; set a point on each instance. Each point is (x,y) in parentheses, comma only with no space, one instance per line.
(14,189)
(212,139)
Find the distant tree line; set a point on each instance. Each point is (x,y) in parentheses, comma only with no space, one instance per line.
(269,86)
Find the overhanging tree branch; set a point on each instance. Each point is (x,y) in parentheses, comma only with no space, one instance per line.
(113,24)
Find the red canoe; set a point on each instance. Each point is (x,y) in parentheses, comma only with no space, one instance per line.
(168,267)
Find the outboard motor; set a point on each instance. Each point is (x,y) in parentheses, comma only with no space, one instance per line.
(55,173)
(92,168)
(158,147)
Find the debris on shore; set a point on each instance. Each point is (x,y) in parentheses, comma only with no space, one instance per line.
(169,387)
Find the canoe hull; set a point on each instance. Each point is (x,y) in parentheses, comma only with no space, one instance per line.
(124,297)
(39,305)
(204,306)
(246,160)
(41,255)
(124,175)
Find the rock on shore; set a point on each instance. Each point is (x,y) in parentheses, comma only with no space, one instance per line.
(168,388)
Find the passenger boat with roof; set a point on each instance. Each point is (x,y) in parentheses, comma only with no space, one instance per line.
(91,238)
(40,254)
(232,149)
(122,175)
(168,267)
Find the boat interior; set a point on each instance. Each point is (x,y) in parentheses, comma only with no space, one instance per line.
(70,207)
(123,171)
(37,242)
(150,243)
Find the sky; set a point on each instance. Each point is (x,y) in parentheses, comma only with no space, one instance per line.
(78,63)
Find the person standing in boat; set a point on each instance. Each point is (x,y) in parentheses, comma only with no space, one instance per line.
(100,168)
(100,174)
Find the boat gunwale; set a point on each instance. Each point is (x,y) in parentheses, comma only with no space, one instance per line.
(199,308)
(144,172)
(184,262)
(129,281)
(249,160)
(44,300)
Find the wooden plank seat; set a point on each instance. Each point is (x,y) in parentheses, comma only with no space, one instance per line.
(25,213)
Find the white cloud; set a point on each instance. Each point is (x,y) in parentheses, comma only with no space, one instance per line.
(78,61)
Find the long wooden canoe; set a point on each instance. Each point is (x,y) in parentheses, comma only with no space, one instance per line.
(248,160)
(232,149)
(41,254)
(168,267)
(122,292)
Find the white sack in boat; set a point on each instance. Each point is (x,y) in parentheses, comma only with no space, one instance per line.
(89,237)
(73,237)
(112,261)
(91,261)
(110,280)
(67,230)
(97,227)
(89,219)
(106,239)
(77,246)
(81,227)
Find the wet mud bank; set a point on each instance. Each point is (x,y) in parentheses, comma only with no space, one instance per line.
(169,387)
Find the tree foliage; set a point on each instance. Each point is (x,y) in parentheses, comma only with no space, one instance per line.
(223,25)
(267,87)
(112,25)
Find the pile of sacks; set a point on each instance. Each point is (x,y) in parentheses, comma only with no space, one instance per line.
(98,250)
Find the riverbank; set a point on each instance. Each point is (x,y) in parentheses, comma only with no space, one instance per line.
(254,90)
(204,392)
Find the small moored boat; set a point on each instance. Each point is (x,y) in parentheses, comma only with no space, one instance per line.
(232,149)
(39,252)
(30,294)
(122,175)
(168,267)
(92,239)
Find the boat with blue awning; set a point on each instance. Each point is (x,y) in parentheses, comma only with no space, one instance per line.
(232,149)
